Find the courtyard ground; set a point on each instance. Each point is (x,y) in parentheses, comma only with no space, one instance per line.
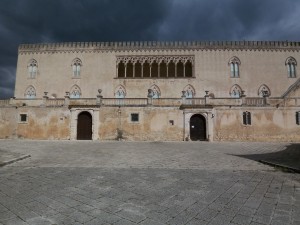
(123,183)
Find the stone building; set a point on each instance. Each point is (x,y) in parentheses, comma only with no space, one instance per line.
(242,90)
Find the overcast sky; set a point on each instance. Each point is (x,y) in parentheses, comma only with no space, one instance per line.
(36,21)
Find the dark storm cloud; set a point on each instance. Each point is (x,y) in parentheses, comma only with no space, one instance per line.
(35,21)
(232,20)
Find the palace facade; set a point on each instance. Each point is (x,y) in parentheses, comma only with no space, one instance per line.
(155,91)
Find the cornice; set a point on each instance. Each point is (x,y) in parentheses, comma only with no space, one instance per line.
(146,46)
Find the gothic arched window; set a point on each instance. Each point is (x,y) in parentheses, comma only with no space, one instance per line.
(32,68)
(120,92)
(30,92)
(154,92)
(264,91)
(75,92)
(189,91)
(235,91)
(291,64)
(76,67)
(234,64)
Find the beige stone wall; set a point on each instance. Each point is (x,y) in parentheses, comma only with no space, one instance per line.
(44,123)
(212,72)
(268,124)
(223,123)
(154,124)
(8,122)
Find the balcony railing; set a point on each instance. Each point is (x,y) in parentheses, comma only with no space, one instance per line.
(255,101)
(194,101)
(4,102)
(82,101)
(55,102)
(168,102)
(124,101)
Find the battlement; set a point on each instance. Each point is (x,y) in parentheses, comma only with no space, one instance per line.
(157,45)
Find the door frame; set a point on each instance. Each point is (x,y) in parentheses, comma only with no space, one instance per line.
(90,120)
(205,124)
(74,121)
(209,118)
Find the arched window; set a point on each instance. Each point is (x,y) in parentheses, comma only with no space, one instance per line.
(180,69)
(154,92)
(154,69)
(189,91)
(120,92)
(234,64)
(121,69)
(32,68)
(188,69)
(75,92)
(171,69)
(76,66)
(163,69)
(129,69)
(291,64)
(30,92)
(138,69)
(264,91)
(235,91)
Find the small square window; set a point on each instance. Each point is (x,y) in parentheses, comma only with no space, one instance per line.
(23,118)
(134,117)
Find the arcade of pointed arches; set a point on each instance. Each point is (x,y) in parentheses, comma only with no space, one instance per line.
(155,66)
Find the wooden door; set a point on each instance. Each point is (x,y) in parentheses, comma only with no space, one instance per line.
(198,128)
(84,126)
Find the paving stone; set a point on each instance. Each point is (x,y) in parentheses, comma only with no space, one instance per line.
(130,183)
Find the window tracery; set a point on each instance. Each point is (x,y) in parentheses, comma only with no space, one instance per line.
(155,66)
(154,92)
(189,91)
(291,64)
(76,67)
(234,63)
(235,91)
(32,68)
(120,92)
(30,92)
(264,91)
(75,92)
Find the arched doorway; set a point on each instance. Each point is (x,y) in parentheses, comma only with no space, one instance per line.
(198,128)
(84,126)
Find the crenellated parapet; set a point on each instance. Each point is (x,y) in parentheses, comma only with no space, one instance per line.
(158,45)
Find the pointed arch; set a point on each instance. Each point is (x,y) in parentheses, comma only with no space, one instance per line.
(32,68)
(264,91)
(75,91)
(234,63)
(120,91)
(76,67)
(235,91)
(30,92)
(189,91)
(155,91)
(291,64)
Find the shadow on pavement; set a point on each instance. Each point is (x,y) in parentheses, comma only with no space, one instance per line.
(289,158)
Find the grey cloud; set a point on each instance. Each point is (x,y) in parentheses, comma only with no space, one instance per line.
(34,21)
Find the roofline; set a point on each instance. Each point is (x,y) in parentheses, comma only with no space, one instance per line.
(136,45)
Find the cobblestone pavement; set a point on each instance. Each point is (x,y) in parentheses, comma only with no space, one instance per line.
(146,183)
